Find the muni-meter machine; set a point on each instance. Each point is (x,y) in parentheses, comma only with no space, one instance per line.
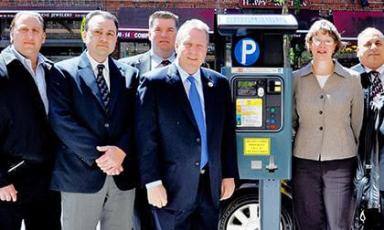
(261,83)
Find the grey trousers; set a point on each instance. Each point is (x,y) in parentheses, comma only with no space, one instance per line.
(323,193)
(111,206)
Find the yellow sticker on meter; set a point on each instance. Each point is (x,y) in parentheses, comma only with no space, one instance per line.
(257,146)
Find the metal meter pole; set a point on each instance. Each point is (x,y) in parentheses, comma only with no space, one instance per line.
(270,200)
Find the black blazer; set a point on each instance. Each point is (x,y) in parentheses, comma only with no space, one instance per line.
(79,120)
(25,133)
(168,138)
(368,134)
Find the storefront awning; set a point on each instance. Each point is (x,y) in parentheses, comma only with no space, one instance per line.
(351,23)
(48,14)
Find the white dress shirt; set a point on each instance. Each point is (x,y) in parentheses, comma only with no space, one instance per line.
(156,59)
(94,64)
(380,70)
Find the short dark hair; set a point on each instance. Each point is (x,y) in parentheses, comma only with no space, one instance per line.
(28,13)
(102,13)
(163,15)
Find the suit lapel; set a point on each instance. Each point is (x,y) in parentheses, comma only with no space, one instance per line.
(181,96)
(86,73)
(209,100)
(23,76)
(117,81)
(144,64)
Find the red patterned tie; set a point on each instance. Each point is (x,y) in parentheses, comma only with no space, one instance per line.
(165,62)
(377,87)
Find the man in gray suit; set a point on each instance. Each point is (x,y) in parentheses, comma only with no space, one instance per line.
(162,34)
(371,55)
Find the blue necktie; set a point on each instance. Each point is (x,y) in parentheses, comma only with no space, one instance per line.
(194,99)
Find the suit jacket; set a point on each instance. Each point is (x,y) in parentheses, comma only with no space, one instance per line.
(168,138)
(368,135)
(81,123)
(328,120)
(25,133)
(141,61)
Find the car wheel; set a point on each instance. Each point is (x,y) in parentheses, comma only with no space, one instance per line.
(243,213)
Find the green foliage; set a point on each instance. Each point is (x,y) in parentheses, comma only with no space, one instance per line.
(296,6)
(82,26)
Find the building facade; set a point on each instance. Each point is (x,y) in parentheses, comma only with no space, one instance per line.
(64,18)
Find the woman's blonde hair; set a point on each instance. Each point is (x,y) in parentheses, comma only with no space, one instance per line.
(325,27)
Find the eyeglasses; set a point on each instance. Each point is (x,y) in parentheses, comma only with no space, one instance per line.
(317,41)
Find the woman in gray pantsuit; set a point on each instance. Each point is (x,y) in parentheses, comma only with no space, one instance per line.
(328,112)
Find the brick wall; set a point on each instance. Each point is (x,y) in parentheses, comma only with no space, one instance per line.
(376,5)
(50,4)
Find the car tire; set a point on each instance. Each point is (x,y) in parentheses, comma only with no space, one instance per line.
(243,213)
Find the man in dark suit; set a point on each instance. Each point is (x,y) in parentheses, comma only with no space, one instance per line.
(26,140)
(161,34)
(370,52)
(92,109)
(185,134)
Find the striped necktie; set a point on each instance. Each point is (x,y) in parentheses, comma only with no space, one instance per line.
(377,87)
(102,84)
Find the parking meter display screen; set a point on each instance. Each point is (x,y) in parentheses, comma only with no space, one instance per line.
(249,104)
(258,103)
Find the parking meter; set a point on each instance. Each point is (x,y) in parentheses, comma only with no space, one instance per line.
(261,84)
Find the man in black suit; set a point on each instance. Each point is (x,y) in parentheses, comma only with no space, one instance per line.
(185,133)
(371,55)
(92,110)
(26,140)
(161,34)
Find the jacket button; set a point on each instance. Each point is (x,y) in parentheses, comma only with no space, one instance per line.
(321,128)
(321,96)
(198,140)
(321,112)
(106,125)
(197,163)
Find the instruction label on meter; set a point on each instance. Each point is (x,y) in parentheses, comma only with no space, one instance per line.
(257,146)
(249,112)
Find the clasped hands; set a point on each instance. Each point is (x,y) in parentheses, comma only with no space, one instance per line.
(110,162)
(111,159)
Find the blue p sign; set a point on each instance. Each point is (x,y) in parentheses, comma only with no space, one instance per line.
(247,51)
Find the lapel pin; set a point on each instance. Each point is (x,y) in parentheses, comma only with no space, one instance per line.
(210,84)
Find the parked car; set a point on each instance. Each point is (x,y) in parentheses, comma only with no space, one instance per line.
(242,210)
